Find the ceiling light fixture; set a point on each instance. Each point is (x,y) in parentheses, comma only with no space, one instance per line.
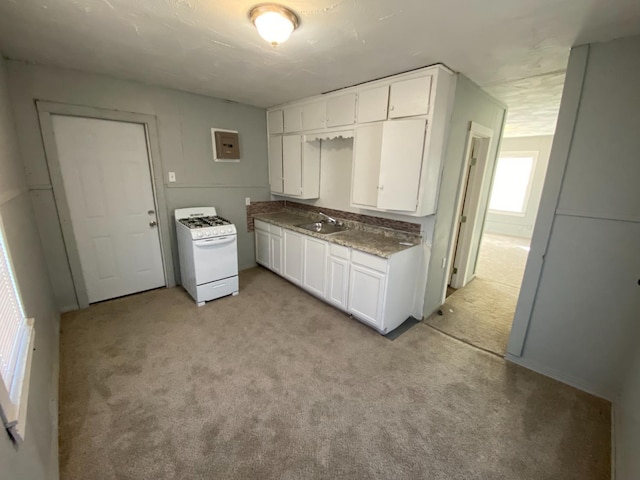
(273,22)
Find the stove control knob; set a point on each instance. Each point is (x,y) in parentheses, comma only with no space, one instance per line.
(230,230)
(199,234)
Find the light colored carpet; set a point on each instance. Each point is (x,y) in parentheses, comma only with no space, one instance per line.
(274,384)
(481,313)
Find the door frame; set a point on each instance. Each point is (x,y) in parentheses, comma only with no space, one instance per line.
(473,192)
(45,111)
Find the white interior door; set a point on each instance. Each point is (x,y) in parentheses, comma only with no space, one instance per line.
(107,181)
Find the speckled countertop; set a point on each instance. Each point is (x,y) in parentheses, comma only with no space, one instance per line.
(382,242)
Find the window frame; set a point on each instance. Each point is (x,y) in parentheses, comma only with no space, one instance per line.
(533,154)
(14,400)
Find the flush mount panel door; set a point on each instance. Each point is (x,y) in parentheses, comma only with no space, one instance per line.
(366,164)
(276,254)
(275,164)
(292,119)
(341,110)
(292,164)
(410,97)
(293,253)
(373,104)
(401,164)
(366,295)
(337,281)
(315,266)
(275,119)
(314,116)
(107,182)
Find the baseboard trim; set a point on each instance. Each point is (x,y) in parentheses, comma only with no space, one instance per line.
(561,377)
(614,430)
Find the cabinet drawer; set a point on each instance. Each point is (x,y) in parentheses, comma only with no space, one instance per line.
(339,251)
(260,225)
(276,230)
(367,260)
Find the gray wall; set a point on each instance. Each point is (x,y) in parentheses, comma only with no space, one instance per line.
(184,126)
(470,104)
(37,457)
(579,305)
(522,225)
(627,424)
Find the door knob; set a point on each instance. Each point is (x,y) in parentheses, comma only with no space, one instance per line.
(153,223)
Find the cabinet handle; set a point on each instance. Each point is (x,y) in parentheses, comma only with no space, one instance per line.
(381,187)
(391,107)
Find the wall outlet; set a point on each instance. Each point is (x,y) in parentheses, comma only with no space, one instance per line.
(172,176)
(247,201)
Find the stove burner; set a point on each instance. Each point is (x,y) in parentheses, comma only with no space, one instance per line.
(203,222)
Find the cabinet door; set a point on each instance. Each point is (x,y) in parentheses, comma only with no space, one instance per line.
(337,282)
(373,104)
(341,110)
(314,116)
(275,164)
(275,120)
(366,164)
(410,97)
(401,164)
(292,164)
(366,295)
(293,249)
(276,254)
(315,266)
(292,119)
(262,248)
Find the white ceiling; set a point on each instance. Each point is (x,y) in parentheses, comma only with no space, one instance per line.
(210,47)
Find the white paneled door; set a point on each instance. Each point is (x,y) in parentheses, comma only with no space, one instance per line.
(107,182)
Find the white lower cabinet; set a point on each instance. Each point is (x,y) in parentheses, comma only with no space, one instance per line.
(293,256)
(276,253)
(377,291)
(338,278)
(315,266)
(366,295)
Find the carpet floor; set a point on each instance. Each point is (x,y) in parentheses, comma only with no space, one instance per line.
(481,313)
(274,384)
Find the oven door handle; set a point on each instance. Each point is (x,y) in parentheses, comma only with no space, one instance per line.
(213,242)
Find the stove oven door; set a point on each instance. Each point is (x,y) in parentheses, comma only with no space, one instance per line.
(215,258)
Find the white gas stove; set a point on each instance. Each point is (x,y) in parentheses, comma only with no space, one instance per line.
(208,250)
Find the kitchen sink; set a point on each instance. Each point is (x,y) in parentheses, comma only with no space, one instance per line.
(322,227)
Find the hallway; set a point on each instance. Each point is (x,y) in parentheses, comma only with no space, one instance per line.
(481,313)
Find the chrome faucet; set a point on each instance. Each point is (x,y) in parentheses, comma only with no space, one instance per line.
(329,219)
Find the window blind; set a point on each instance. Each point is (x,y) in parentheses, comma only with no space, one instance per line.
(13,325)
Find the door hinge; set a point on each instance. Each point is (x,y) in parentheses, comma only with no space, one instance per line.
(463,219)
(474,161)
(455,270)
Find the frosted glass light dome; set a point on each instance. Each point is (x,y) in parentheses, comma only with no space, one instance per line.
(274,22)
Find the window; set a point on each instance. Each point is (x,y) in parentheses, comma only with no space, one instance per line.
(512,182)
(16,337)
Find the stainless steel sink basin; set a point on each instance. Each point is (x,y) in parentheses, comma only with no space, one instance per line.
(322,227)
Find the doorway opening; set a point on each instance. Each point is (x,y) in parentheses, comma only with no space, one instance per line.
(490,250)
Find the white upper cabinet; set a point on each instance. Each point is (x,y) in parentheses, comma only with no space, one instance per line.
(292,164)
(275,120)
(366,164)
(292,119)
(275,164)
(300,167)
(314,116)
(387,164)
(373,104)
(410,97)
(400,164)
(341,110)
